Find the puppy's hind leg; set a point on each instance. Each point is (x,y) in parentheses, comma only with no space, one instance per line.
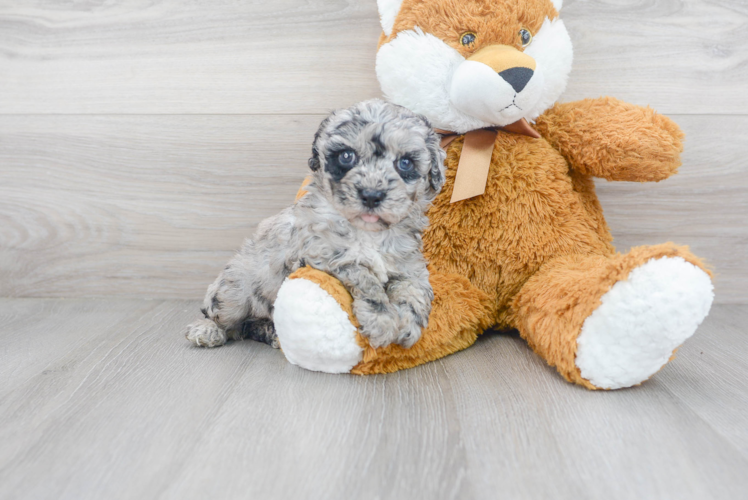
(260,330)
(225,307)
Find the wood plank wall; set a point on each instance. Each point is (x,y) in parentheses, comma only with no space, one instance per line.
(140,141)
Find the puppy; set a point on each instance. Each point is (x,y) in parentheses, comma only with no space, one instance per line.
(376,167)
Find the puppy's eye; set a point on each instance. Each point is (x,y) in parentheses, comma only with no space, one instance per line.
(468,39)
(525,37)
(347,158)
(405,165)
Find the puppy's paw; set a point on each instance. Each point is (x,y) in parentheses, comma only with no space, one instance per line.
(379,322)
(205,333)
(411,326)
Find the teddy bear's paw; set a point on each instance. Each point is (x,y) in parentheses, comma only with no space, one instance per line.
(314,331)
(205,333)
(641,322)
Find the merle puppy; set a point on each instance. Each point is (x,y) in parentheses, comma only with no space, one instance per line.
(376,167)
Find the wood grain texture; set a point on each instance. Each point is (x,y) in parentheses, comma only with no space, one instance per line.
(138,206)
(301,56)
(154,206)
(132,411)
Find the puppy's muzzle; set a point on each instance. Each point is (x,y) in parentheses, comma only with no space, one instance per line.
(371,198)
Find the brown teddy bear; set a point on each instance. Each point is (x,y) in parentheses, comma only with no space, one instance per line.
(517,237)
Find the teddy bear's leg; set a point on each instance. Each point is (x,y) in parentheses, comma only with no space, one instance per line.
(613,322)
(317,329)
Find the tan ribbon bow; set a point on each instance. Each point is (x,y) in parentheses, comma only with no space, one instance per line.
(475,160)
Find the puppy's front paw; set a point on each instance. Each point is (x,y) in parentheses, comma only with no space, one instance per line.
(411,326)
(379,322)
(205,333)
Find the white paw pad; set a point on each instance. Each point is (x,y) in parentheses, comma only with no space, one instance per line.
(314,332)
(641,321)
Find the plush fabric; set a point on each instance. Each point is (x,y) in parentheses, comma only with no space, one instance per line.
(534,252)
(496,20)
(641,321)
(421,65)
(614,140)
(460,313)
(552,306)
(314,327)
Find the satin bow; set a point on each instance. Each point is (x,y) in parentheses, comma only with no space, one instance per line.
(475,160)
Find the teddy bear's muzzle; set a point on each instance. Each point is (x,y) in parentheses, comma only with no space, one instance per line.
(501,58)
(497,85)
(513,66)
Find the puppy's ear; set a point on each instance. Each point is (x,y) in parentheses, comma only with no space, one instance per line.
(436,172)
(314,162)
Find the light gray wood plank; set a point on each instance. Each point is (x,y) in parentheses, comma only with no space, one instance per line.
(138,206)
(668,54)
(36,334)
(284,56)
(294,56)
(712,375)
(643,442)
(154,206)
(135,412)
(377,437)
(135,418)
(113,418)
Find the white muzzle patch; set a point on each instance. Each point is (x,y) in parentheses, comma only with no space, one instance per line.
(479,91)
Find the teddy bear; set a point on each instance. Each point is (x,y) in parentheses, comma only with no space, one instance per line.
(517,239)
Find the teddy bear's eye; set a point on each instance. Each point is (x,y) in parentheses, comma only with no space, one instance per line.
(525,36)
(468,39)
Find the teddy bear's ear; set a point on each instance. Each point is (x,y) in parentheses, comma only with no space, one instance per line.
(557,4)
(388,10)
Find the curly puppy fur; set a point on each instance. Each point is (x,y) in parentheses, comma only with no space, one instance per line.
(376,168)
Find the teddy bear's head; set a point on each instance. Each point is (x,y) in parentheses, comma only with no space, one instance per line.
(470,64)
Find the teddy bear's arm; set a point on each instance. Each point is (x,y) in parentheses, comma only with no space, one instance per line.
(614,140)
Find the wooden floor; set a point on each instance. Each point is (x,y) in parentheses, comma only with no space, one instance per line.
(105,400)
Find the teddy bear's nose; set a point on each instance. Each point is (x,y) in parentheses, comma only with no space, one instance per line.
(517,77)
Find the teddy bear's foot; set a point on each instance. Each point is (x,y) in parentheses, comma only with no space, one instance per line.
(641,321)
(317,329)
(314,330)
(609,322)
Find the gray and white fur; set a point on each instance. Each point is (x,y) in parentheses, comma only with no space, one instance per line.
(376,167)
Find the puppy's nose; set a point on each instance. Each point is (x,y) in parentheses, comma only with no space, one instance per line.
(371,198)
(517,77)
